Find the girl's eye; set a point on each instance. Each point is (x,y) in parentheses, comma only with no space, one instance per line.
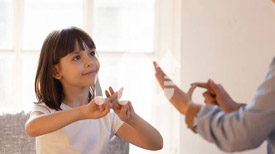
(92,53)
(76,58)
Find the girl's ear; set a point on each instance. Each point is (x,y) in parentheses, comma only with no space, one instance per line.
(56,73)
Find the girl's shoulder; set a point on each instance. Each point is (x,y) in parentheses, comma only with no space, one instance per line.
(42,107)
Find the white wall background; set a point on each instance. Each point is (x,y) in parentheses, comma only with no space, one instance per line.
(230,41)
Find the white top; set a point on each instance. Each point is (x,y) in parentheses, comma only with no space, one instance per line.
(85,136)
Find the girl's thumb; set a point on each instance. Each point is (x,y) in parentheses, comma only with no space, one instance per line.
(124,108)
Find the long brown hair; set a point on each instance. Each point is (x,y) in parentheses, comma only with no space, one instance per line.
(57,44)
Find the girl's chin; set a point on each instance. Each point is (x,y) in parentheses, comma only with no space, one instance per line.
(87,82)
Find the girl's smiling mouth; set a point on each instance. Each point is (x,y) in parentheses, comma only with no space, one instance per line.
(89,73)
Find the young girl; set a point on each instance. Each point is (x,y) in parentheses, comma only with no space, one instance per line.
(67,119)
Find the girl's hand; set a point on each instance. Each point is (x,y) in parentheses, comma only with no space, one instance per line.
(215,94)
(94,111)
(125,112)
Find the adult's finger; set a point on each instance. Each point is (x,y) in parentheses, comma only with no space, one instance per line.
(213,85)
(160,81)
(218,89)
(201,85)
(209,99)
(160,75)
(208,102)
(191,90)
(158,69)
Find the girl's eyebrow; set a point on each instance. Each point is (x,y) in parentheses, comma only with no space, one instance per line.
(78,52)
(73,53)
(92,49)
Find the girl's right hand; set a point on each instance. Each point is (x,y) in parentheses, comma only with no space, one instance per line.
(94,111)
(125,111)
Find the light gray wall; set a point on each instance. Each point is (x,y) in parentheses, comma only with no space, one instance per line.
(230,41)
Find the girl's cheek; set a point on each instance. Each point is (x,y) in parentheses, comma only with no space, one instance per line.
(97,64)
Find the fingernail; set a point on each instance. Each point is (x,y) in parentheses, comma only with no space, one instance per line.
(211,81)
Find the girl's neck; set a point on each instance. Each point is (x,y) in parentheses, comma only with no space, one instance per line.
(75,96)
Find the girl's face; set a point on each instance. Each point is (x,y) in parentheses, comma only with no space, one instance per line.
(78,69)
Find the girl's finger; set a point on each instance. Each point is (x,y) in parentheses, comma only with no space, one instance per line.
(101,108)
(119,93)
(111,90)
(131,107)
(115,105)
(107,93)
(106,109)
(124,108)
(107,105)
(113,97)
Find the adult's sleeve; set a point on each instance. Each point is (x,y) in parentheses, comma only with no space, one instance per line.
(243,129)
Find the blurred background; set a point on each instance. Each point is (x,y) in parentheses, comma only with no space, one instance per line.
(229,41)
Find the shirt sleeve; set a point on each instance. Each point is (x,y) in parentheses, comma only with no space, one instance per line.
(116,123)
(41,107)
(243,129)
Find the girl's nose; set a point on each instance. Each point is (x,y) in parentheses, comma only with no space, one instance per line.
(87,61)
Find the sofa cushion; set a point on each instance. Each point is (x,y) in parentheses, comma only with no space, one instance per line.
(14,139)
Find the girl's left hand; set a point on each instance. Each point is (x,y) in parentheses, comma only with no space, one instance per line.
(125,112)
